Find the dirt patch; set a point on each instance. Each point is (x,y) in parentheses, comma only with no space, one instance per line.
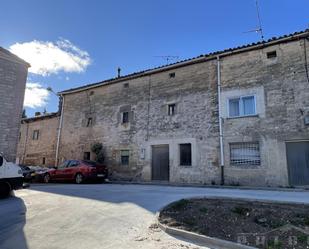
(259,224)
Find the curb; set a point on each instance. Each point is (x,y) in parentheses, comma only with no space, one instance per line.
(202,239)
(296,189)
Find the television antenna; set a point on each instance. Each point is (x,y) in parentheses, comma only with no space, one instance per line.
(168,58)
(259,29)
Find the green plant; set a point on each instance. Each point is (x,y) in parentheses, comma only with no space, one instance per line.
(302,239)
(274,244)
(240,210)
(203,210)
(181,204)
(97,149)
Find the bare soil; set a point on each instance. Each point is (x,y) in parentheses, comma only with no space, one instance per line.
(255,223)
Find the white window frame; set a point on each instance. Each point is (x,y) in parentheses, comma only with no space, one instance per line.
(241,111)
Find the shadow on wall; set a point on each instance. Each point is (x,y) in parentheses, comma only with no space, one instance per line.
(12,221)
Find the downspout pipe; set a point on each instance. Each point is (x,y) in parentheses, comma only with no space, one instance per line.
(220,120)
(59,130)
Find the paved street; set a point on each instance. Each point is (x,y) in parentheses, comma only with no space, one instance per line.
(102,215)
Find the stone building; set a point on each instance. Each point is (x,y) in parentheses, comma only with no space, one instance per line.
(238,116)
(38,140)
(13,75)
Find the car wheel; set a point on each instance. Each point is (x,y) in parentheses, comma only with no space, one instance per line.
(5,190)
(46,178)
(79,178)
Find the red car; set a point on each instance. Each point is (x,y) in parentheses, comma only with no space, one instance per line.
(78,171)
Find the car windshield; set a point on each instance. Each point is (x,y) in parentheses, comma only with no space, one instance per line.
(90,163)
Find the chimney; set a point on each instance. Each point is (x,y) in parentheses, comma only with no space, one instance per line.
(119,71)
(37,114)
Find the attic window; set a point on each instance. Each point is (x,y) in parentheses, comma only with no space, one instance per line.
(91,93)
(172,75)
(126,85)
(271,54)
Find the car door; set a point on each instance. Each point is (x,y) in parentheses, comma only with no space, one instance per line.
(70,170)
(60,171)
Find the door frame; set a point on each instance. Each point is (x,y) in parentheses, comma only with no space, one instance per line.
(151,159)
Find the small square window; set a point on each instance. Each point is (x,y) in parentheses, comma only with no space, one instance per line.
(185,154)
(171,109)
(126,85)
(172,75)
(245,154)
(91,93)
(89,122)
(242,106)
(35,135)
(125,117)
(125,154)
(87,155)
(271,54)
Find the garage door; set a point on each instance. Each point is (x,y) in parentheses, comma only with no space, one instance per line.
(298,162)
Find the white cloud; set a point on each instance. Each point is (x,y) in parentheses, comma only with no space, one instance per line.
(48,57)
(36,95)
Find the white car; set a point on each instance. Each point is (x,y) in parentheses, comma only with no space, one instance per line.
(11,177)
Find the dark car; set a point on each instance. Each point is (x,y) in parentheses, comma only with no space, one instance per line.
(78,171)
(27,173)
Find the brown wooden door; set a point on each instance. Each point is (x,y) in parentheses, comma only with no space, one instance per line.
(160,162)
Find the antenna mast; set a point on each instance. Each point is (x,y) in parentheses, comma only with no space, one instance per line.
(168,58)
(259,29)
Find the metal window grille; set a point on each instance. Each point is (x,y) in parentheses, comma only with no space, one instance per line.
(245,154)
(171,109)
(125,117)
(125,154)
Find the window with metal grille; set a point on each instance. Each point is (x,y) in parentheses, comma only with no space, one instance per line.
(89,122)
(35,134)
(185,154)
(245,154)
(242,106)
(125,154)
(125,117)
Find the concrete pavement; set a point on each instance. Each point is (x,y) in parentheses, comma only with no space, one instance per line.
(69,216)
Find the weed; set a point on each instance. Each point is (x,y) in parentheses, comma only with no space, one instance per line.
(203,210)
(240,210)
(181,204)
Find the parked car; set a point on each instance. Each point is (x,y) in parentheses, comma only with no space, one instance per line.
(11,177)
(78,171)
(39,173)
(27,173)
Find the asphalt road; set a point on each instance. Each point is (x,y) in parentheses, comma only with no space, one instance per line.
(94,216)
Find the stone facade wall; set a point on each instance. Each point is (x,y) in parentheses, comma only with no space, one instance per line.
(281,90)
(282,101)
(193,90)
(13,77)
(31,151)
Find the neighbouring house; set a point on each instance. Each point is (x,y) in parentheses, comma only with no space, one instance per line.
(13,76)
(238,116)
(38,140)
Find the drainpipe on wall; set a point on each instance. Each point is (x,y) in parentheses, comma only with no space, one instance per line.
(220,121)
(59,129)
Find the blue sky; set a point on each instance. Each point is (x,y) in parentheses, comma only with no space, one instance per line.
(82,42)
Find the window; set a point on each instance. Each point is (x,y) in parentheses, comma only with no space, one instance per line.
(35,134)
(125,117)
(19,137)
(185,154)
(64,164)
(245,154)
(271,54)
(242,106)
(89,122)
(126,85)
(86,155)
(125,157)
(171,109)
(172,75)
(43,161)
(73,163)
(1,160)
